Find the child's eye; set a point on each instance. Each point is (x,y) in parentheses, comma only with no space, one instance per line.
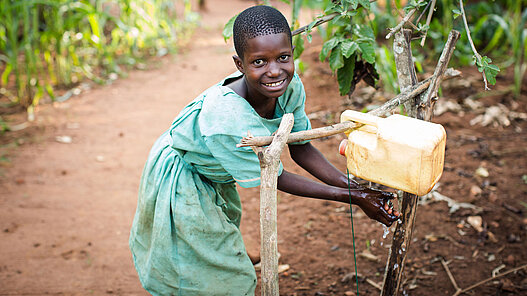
(284,58)
(258,62)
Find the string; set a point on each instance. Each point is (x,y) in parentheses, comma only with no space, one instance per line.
(353,233)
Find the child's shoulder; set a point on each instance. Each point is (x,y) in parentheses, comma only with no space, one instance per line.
(220,99)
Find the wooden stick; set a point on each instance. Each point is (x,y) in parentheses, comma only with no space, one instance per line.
(450,276)
(402,236)
(459,292)
(345,126)
(427,101)
(269,164)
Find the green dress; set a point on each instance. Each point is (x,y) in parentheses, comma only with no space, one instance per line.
(185,238)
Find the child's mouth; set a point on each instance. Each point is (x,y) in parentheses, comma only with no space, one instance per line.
(274,84)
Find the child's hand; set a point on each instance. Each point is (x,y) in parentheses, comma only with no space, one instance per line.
(376,204)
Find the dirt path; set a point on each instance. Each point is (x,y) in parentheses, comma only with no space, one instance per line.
(66,209)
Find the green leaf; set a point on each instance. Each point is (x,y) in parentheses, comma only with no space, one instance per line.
(491,71)
(5,74)
(227,30)
(311,25)
(354,4)
(348,47)
(298,42)
(368,51)
(364,32)
(414,4)
(365,4)
(327,47)
(345,75)
(422,28)
(456,13)
(336,59)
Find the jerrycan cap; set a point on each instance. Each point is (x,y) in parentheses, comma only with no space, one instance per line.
(342,147)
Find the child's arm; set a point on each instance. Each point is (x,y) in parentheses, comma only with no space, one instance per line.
(311,160)
(374,203)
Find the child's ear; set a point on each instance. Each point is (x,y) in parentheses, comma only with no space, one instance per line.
(238,63)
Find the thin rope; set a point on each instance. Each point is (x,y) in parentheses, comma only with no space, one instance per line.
(353,234)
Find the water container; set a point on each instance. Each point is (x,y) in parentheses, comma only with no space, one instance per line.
(398,151)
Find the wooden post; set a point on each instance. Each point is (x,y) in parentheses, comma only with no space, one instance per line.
(269,164)
(422,109)
(403,231)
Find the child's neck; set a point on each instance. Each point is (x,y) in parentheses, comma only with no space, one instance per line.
(264,106)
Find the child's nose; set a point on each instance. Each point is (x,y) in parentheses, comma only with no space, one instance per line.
(274,69)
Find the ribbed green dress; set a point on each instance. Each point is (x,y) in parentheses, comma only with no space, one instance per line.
(185,238)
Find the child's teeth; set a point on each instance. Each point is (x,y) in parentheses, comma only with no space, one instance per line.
(274,84)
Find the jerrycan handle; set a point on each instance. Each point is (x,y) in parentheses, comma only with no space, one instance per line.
(365,118)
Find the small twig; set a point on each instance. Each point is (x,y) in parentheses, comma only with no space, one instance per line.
(428,20)
(450,276)
(478,56)
(459,292)
(423,12)
(319,22)
(374,284)
(401,24)
(402,15)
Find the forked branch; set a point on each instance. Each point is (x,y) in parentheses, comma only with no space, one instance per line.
(345,126)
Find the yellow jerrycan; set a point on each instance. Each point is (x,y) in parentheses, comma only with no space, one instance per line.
(398,151)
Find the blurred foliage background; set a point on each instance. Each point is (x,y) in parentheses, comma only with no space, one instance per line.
(498,29)
(47,45)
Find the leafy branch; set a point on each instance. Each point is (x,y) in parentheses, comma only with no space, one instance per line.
(488,71)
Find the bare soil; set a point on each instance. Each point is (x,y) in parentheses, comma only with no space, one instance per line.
(66,208)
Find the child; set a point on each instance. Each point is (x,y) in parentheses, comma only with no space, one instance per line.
(185,237)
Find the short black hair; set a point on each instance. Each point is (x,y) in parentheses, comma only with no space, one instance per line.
(258,21)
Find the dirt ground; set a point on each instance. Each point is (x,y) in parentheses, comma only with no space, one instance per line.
(66,208)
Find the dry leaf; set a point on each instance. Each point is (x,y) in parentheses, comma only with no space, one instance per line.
(64,139)
(476,222)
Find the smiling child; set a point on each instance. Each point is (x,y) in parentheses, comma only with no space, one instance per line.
(185,237)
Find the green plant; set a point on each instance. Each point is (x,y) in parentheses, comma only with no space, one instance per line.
(498,29)
(47,44)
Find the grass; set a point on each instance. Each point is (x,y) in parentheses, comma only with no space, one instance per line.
(50,44)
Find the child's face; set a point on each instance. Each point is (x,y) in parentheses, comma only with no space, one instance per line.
(268,65)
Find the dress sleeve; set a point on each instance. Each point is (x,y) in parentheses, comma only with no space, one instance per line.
(223,122)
